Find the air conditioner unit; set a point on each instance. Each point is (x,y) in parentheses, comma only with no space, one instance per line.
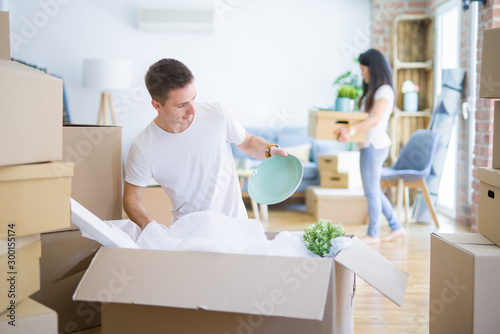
(176,19)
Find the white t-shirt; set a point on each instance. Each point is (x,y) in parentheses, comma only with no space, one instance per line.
(196,167)
(377,136)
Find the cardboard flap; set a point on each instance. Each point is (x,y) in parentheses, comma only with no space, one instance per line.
(82,265)
(464,238)
(94,228)
(375,269)
(265,285)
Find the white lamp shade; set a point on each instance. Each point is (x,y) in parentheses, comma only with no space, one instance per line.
(106,74)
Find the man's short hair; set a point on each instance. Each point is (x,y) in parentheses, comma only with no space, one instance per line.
(166,75)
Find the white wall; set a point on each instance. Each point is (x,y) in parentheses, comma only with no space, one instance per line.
(270,60)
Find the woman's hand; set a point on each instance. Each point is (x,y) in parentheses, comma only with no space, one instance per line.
(343,134)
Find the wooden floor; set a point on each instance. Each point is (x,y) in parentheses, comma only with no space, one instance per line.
(373,313)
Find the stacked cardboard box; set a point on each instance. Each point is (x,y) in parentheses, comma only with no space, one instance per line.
(340,196)
(96,152)
(347,206)
(340,170)
(35,186)
(464,292)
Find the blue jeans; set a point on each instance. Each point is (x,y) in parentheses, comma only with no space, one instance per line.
(371,161)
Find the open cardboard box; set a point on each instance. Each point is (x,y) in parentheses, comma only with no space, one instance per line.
(155,291)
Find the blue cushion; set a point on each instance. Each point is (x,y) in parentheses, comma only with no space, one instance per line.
(310,170)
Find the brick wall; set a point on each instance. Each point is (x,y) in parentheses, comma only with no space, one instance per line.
(383,11)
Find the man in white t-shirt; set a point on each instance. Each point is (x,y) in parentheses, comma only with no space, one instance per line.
(187,150)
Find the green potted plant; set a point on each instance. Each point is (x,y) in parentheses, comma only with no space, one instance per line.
(349,88)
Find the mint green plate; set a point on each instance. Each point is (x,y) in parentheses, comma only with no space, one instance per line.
(275,179)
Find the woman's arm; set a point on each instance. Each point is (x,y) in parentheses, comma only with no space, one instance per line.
(379,108)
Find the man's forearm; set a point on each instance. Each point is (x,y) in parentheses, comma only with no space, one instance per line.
(256,147)
(136,213)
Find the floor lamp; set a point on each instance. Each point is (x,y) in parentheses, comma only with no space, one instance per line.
(107,75)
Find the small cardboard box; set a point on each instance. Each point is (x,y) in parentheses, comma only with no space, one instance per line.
(349,180)
(341,162)
(96,152)
(323,124)
(489,84)
(29,317)
(157,291)
(489,204)
(66,256)
(496,136)
(30,114)
(35,198)
(464,289)
(347,206)
(20,258)
(4,36)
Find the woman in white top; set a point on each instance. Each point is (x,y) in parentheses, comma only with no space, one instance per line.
(378,101)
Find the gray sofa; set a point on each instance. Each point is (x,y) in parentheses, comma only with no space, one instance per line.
(291,137)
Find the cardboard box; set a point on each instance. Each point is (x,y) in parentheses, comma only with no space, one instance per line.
(31,113)
(157,291)
(496,136)
(323,124)
(29,317)
(19,257)
(489,204)
(35,197)
(341,162)
(489,84)
(347,206)
(464,289)
(350,180)
(96,152)
(4,36)
(65,257)
(157,203)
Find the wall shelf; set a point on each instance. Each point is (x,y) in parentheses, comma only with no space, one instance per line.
(412,42)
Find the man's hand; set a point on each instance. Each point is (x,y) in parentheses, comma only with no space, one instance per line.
(278,151)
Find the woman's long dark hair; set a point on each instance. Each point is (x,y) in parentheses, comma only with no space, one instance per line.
(380,74)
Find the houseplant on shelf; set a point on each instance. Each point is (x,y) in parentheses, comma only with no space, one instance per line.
(349,88)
